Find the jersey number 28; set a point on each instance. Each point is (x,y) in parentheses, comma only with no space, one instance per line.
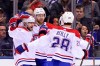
(62,43)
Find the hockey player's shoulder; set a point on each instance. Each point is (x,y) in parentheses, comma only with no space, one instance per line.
(21,29)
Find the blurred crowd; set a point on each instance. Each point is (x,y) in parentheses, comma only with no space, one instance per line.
(87,19)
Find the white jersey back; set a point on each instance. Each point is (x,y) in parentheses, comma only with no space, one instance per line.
(20,36)
(64,45)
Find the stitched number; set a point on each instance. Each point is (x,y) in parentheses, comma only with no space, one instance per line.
(65,44)
(62,43)
(56,42)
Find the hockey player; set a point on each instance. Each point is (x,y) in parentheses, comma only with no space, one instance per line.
(67,20)
(20,36)
(40,15)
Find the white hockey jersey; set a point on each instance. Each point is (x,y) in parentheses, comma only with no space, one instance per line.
(65,45)
(21,35)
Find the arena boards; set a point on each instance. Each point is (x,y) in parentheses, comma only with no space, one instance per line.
(89,62)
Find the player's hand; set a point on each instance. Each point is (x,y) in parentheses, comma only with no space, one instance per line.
(13,23)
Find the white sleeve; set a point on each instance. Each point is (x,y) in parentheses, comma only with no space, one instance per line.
(40,42)
(84,44)
(18,37)
(17,34)
(77,51)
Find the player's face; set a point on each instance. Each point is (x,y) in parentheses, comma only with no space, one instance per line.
(79,13)
(40,18)
(30,26)
(84,31)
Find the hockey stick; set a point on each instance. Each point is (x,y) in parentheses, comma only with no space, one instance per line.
(83,58)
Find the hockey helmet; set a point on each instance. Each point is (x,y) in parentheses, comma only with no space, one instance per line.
(30,19)
(68,17)
(39,11)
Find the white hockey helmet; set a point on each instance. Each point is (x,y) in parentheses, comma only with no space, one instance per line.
(68,17)
(30,19)
(39,11)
